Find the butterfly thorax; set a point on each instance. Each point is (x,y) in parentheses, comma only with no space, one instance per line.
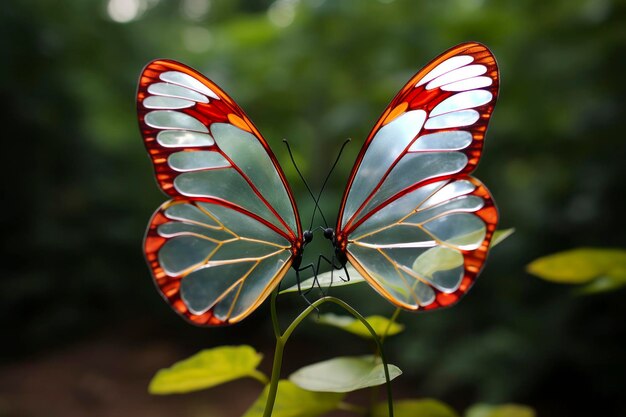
(298,248)
(339,242)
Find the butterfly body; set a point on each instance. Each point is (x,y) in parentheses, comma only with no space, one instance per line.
(298,252)
(412,221)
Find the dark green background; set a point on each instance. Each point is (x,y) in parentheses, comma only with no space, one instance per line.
(78,191)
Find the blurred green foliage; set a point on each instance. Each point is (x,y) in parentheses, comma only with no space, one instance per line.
(316,72)
(422,408)
(600,269)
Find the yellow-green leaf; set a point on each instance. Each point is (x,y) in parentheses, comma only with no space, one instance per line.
(206,369)
(334,278)
(582,265)
(415,408)
(344,374)
(500,235)
(504,410)
(293,401)
(381,325)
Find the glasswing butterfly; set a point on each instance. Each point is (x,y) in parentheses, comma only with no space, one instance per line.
(412,221)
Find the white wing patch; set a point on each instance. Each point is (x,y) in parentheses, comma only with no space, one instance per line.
(197,161)
(459,74)
(169,119)
(455,74)
(183,139)
(453,119)
(453,140)
(158,102)
(173,90)
(468,84)
(461,101)
(184,80)
(445,67)
(456,110)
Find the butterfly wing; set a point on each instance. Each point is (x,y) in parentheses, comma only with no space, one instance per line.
(231,230)
(412,221)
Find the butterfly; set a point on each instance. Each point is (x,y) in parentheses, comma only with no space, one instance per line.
(412,221)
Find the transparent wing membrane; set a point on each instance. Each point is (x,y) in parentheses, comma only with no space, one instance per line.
(412,221)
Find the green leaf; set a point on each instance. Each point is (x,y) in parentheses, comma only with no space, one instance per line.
(343,374)
(500,235)
(584,265)
(352,325)
(415,408)
(324,280)
(504,410)
(292,401)
(207,369)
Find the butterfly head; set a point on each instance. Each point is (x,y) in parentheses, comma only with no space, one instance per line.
(307,237)
(338,244)
(298,247)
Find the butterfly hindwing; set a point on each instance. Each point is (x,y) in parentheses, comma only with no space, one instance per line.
(412,221)
(228,236)
(212,263)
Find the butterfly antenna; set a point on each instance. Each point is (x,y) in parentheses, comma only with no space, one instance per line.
(326,181)
(305,184)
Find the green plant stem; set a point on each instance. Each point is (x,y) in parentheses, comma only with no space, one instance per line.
(278,361)
(275,323)
(392,319)
(278,358)
(281,340)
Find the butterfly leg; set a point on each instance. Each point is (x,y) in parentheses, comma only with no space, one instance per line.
(347,274)
(303,294)
(334,266)
(298,280)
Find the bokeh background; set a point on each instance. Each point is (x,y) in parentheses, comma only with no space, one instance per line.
(83,328)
